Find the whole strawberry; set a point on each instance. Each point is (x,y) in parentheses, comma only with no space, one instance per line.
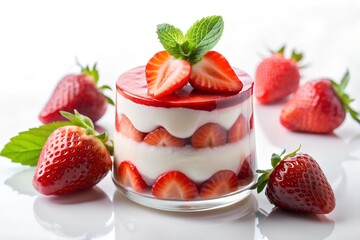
(73,158)
(297,183)
(318,106)
(276,77)
(77,91)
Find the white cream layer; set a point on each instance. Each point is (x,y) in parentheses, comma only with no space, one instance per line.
(197,164)
(179,122)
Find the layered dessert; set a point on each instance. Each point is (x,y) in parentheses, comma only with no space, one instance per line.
(184,127)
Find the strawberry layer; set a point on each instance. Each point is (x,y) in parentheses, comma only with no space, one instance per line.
(179,122)
(198,164)
(132,85)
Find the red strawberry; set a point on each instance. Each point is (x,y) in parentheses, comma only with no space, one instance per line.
(130,176)
(277,77)
(77,91)
(161,137)
(238,130)
(213,73)
(165,74)
(72,159)
(318,107)
(222,182)
(297,183)
(209,135)
(128,130)
(174,185)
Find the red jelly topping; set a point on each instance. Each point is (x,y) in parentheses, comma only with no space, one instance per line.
(132,85)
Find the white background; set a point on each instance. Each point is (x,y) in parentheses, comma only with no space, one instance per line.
(39,41)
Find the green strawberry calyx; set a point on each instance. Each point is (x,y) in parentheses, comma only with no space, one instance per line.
(200,38)
(343,97)
(275,160)
(85,122)
(25,148)
(295,56)
(94,73)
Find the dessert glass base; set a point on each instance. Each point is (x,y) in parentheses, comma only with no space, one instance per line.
(186,205)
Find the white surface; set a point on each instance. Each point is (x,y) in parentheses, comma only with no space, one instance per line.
(38,43)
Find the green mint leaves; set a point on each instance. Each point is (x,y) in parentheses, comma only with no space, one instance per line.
(25,148)
(201,37)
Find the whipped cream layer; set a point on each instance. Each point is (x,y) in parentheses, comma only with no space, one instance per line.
(179,122)
(198,164)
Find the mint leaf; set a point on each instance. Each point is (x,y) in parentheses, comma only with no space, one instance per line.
(203,35)
(171,38)
(25,148)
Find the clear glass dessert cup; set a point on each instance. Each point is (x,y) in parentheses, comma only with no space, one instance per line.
(188,151)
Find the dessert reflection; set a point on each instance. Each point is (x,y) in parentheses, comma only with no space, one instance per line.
(86,214)
(133,221)
(298,226)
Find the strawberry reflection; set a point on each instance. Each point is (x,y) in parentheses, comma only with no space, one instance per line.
(86,214)
(298,226)
(133,221)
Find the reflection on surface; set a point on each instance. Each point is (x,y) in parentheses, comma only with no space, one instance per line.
(85,214)
(298,226)
(22,182)
(133,221)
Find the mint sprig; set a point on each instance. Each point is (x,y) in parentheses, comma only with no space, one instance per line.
(25,148)
(201,37)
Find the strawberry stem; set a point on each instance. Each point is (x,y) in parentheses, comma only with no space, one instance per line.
(264,177)
(343,97)
(295,56)
(80,121)
(86,123)
(94,73)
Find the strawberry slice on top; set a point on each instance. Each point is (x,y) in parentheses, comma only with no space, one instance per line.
(165,74)
(213,73)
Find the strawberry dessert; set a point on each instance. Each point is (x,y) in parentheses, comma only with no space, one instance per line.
(184,122)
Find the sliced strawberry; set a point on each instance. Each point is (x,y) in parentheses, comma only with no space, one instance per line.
(222,182)
(238,130)
(117,122)
(129,131)
(251,122)
(209,135)
(246,173)
(165,74)
(161,137)
(214,74)
(174,185)
(130,176)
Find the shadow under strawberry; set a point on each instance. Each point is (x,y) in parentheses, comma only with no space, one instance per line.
(298,226)
(21,182)
(85,214)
